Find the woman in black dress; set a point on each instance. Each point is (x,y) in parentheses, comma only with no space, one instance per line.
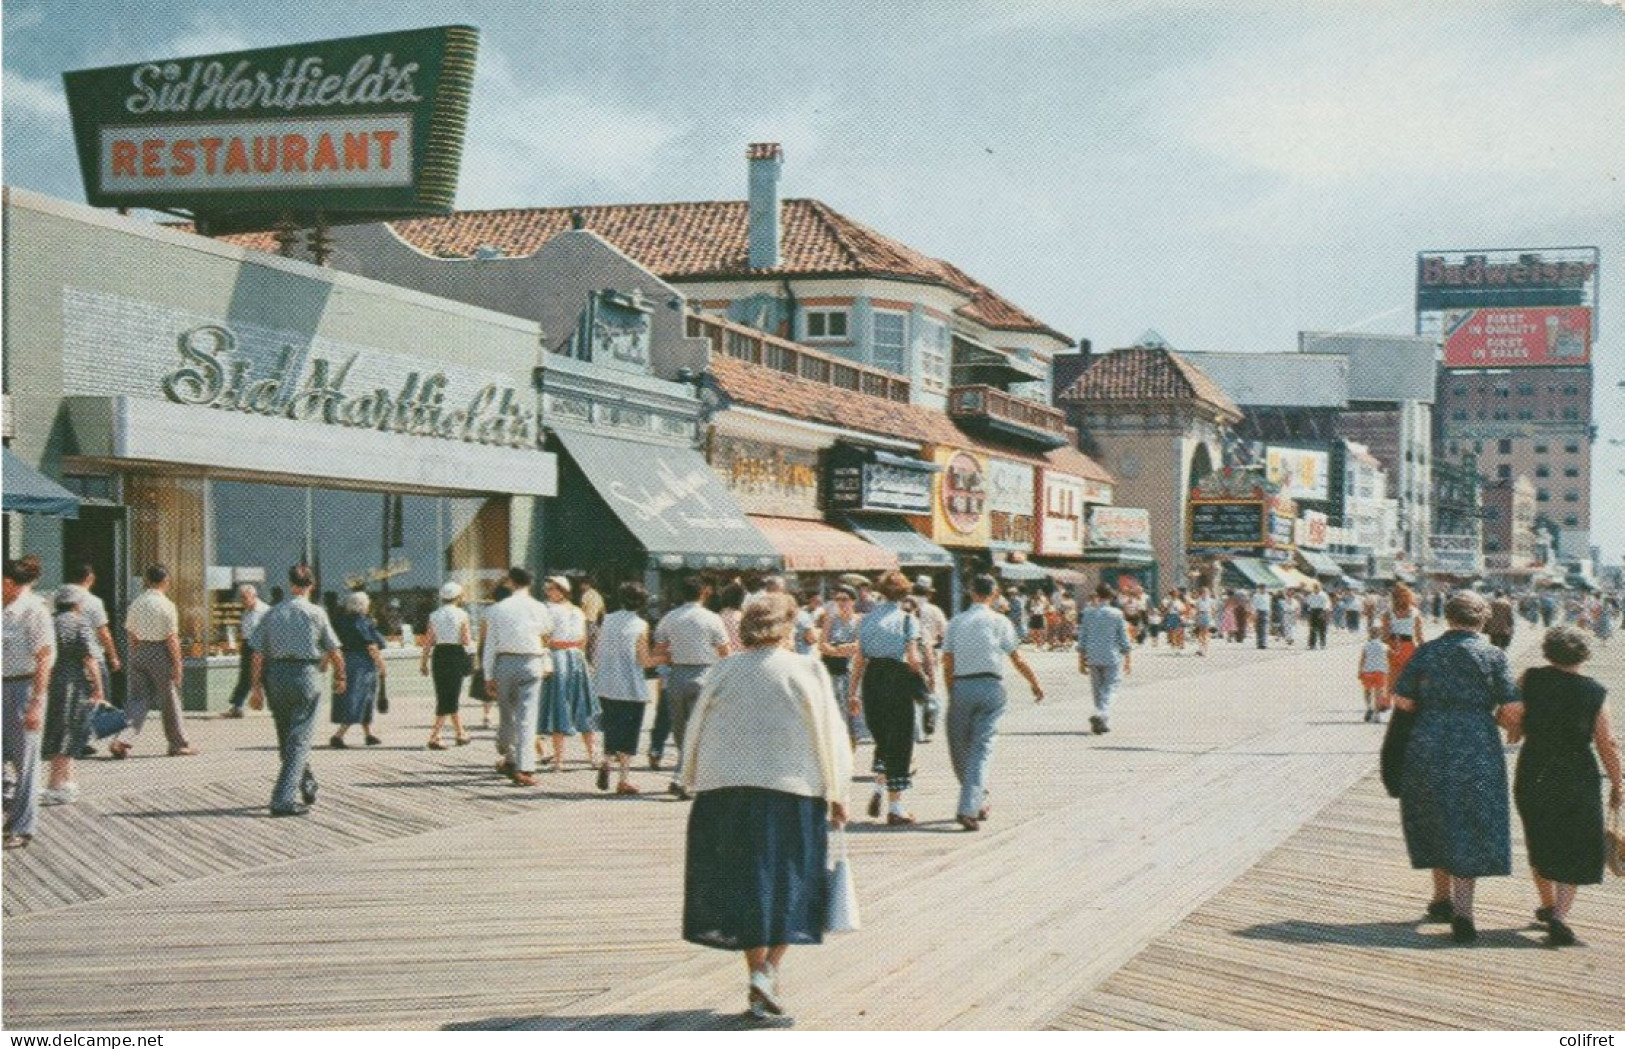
(1563,716)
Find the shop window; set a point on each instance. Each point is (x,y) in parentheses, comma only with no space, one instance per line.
(1526,413)
(1571,413)
(1526,389)
(935,347)
(1503,391)
(1571,521)
(1540,449)
(166,521)
(1571,391)
(1503,472)
(826,324)
(1501,414)
(1460,391)
(891,341)
(1504,446)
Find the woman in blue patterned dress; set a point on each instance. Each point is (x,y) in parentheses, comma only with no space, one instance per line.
(568,703)
(363,649)
(1453,783)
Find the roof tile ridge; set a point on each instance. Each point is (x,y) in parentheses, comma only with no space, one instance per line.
(832,221)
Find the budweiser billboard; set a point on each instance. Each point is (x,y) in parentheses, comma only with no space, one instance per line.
(1521,337)
(1506,278)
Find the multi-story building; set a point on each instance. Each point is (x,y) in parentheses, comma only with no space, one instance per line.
(1528,422)
(1390,411)
(1509,529)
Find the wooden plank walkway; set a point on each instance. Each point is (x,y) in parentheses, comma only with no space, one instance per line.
(424,893)
(1324,934)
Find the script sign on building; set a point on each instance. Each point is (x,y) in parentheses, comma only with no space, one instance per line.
(360,129)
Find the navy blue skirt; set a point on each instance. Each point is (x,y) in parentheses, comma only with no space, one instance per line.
(755,873)
(622,721)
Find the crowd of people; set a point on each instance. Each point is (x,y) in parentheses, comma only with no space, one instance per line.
(765,700)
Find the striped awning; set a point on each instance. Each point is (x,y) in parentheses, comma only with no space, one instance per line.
(813,546)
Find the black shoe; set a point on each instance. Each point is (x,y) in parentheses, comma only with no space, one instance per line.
(337,743)
(603,776)
(1559,935)
(297,810)
(1543,915)
(874,806)
(1097,725)
(307,788)
(1441,911)
(1462,930)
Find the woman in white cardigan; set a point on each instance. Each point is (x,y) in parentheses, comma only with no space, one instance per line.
(767,757)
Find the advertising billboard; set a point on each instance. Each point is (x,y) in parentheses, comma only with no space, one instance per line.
(1060,532)
(1227,523)
(359,129)
(1010,502)
(1299,473)
(1497,338)
(1505,278)
(1120,526)
(961,510)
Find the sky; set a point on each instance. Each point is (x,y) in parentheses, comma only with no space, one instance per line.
(1225,172)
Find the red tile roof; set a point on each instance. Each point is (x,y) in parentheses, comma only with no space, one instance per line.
(755,386)
(708,241)
(1146,373)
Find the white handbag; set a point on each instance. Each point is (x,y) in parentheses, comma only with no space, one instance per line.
(842,914)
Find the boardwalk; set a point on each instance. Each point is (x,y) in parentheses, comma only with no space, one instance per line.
(425,893)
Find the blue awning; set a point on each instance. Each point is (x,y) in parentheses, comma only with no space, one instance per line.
(913,550)
(672,502)
(27,491)
(1020,571)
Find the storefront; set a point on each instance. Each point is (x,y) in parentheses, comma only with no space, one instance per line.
(874,492)
(1119,543)
(232,414)
(1013,519)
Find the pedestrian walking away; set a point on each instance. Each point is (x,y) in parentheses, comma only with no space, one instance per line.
(977,643)
(253,611)
(363,647)
(76,689)
(933,625)
(836,647)
(516,662)
(621,656)
(1502,621)
(766,756)
(569,706)
(1560,716)
(153,626)
(886,683)
(692,639)
(1105,654)
(83,576)
(1402,627)
(29,655)
(293,644)
(447,646)
(1373,675)
(1453,783)
(1261,616)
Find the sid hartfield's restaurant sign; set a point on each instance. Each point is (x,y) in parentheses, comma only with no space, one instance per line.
(365,128)
(114,346)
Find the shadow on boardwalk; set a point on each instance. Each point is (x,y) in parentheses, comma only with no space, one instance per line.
(1398,935)
(674,1020)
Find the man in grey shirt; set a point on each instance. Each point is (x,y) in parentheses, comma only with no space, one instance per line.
(1104,653)
(293,644)
(693,639)
(254,610)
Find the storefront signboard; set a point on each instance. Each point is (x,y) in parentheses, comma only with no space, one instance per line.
(1227,523)
(961,510)
(1300,473)
(1312,530)
(1283,527)
(768,479)
(1062,531)
(1010,503)
(866,479)
(114,346)
(360,129)
(1119,526)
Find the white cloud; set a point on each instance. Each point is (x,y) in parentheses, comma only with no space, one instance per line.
(533,145)
(207,36)
(43,99)
(17,19)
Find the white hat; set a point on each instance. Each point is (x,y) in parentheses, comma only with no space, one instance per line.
(558,581)
(451,592)
(925,581)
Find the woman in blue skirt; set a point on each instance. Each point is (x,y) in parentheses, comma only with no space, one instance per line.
(568,703)
(766,756)
(363,649)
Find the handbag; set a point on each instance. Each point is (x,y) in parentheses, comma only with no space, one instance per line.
(383,694)
(842,912)
(107,721)
(1613,844)
(1394,743)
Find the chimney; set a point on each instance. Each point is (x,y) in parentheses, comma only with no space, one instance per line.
(766,158)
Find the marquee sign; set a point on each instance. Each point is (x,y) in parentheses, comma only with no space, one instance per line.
(357,130)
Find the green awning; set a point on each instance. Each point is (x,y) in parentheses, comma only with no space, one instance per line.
(1319,563)
(27,491)
(913,550)
(1250,571)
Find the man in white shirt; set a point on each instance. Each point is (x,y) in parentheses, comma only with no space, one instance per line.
(1319,606)
(1261,616)
(154,628)
(253,611)
(516,661)
(30,653)
(692,638)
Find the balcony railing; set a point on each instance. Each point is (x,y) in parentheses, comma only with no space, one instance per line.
(1015,416)
(791,358)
